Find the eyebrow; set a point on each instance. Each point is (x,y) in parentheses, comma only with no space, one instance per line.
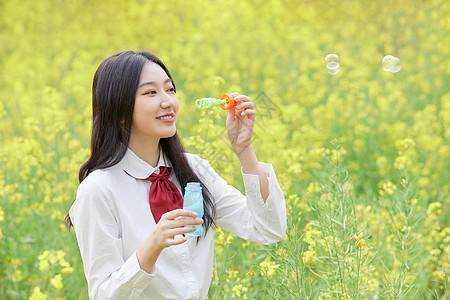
(153,83)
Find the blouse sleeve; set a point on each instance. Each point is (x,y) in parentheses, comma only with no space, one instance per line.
(247,216)
(109,276)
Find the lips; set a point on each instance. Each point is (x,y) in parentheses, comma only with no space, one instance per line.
(168,116)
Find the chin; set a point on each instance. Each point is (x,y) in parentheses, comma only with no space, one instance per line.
(169,134)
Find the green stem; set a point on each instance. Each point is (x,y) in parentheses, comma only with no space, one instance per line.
(357,273)
(337,255)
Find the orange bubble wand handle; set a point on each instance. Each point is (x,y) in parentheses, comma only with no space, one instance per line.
(230,102)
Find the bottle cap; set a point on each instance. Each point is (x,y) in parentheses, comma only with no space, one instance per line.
(192,186)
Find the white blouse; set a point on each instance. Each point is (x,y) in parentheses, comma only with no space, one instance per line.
(111,217)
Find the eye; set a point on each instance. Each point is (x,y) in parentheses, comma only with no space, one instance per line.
(172,89)
(150,92)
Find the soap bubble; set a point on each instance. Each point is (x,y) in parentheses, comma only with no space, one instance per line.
(391,64)
(333,63)
(333,68)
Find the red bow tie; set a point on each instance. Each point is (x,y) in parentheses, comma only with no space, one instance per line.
(164,195)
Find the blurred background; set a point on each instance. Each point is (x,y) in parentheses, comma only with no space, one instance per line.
(364,151)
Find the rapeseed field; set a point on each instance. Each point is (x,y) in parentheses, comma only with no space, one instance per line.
(363,156)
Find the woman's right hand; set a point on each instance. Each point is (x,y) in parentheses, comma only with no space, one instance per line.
(174,223)
(171,224)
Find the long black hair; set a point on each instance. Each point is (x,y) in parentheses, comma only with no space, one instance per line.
(113,94)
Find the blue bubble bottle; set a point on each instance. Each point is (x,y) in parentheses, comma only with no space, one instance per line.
(193,200)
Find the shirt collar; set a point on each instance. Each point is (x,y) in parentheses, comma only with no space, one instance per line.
(138,168)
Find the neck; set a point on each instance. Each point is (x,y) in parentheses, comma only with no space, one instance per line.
(147,150)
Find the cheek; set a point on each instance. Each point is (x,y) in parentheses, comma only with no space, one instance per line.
(143,113)
(177,104)
(137,121)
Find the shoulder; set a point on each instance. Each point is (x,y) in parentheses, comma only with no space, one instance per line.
(95,201)
(195,161)
(193,157)
(100,181)
(202,168)
(94,192)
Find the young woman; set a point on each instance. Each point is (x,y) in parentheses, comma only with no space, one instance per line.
(130,230)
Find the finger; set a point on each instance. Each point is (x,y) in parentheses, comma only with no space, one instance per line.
(248,112)
(186,222)
(184,218)
(231,114)
(183,230)
(177,241)
(171,215)
(242,98)
(244,105)
(234,94)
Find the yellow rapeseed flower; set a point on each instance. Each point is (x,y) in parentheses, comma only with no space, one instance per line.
(382,164)
(348,186)
(17,276)
(405,144)
(239,291)
(361,235)
(251,273)
(16,261)
(402,162)
(44,255)
(53,258)
(2,215)
(360,243)
(63,262)
(423,182)
(359,240)
(67,270)
(57,282)
(231,274)
(404,182)
(389,187)
(44,265)
(309,257)
(268,267)
(37,295)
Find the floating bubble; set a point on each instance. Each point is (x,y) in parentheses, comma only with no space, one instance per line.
(391,64)
(333,68)
(333,63)
(332,58)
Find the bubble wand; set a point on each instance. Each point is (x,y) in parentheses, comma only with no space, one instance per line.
(226,102)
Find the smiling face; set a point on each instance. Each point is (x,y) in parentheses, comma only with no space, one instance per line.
(156,106)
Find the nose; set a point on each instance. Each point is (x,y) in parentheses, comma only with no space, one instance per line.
(167,101)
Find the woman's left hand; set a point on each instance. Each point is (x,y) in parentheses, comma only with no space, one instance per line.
(240,123)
